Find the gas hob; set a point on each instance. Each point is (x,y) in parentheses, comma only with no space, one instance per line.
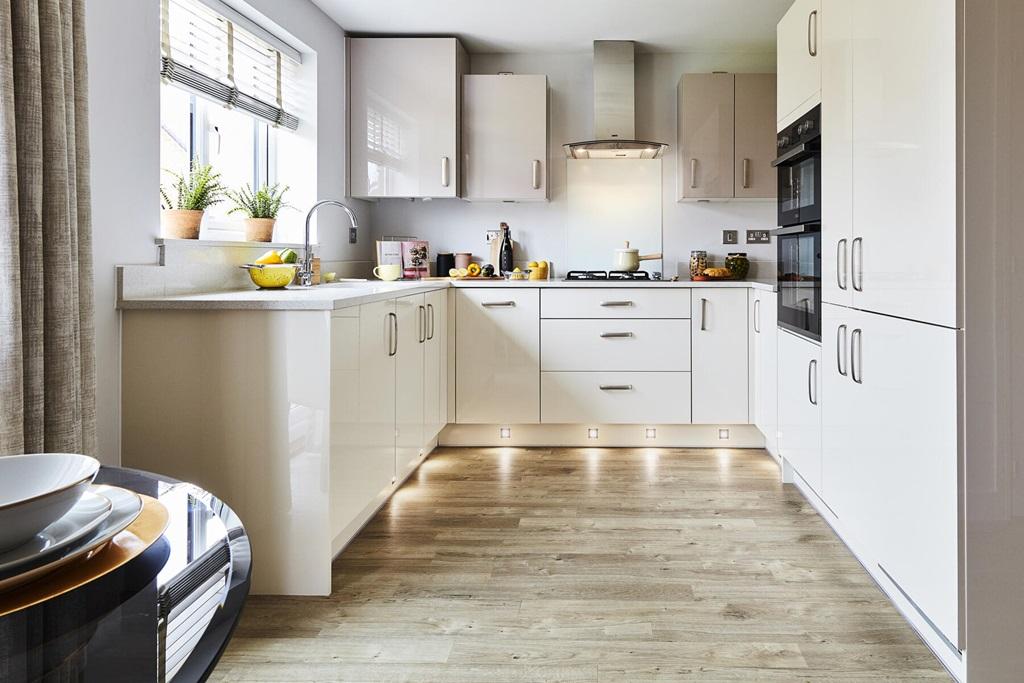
(610,276)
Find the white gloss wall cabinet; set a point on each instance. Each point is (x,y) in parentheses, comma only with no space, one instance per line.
(799,66)
(404,116)
(800,406)
(410,312)
(497,356)
(890,246)
(764,342)
(889,451)
(719,343)
(435,364)
(726,132)
(505,137)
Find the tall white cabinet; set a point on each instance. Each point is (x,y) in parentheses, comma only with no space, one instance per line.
(404,116)
(799,66)
(505,137)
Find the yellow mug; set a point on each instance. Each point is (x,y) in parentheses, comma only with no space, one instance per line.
(388,272)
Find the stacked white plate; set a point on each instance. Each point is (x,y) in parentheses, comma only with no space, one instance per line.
(51,514)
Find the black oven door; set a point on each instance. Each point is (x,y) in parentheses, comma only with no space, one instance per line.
(800,185)
(799,279)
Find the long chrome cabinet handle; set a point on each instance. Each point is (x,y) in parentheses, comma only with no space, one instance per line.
(536,174)
(498,304)
(393,335)
(693,174)
(445,179)
(857,261)
(746,174)
(616,387)
(616,304)
(812,34)
(812,375)
(842,360)
(423,323)
(757,316)
(616,335)
(857,355)
(430,310)
(703,314)
(842,265)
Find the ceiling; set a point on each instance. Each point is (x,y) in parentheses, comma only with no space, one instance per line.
(571,25)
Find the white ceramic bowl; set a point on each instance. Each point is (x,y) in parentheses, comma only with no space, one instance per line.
(38,489)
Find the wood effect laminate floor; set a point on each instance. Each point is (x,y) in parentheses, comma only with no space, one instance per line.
(580,564)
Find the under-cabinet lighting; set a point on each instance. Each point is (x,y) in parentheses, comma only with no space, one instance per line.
(592,433)
(505,433)
(723,433)
(651,433)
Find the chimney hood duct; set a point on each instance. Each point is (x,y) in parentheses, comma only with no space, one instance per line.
(614,108)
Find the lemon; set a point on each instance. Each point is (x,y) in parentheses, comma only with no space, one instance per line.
(517,269)
(533,264)
(270,258)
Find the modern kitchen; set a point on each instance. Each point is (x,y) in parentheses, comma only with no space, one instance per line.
(460,341)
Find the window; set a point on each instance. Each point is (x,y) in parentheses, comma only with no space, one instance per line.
(229,89)
(241,147)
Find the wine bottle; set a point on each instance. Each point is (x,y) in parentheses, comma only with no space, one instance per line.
(505,260)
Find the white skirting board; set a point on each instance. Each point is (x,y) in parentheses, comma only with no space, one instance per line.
(952,659)
(607,436)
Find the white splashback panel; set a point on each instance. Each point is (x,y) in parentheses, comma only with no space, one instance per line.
(611,201)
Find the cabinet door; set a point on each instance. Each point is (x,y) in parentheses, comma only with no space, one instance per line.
(435,365)
(764,402)
(404,116)
(836,151)
(755,178)
(798,67)
(720,370)
(909,418)
(799,411)
(904,252)
(411,312)
(505,137)
(706,128)
(497,356)
(376,407)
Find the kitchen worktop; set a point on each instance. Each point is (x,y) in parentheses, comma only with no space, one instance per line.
(346,294)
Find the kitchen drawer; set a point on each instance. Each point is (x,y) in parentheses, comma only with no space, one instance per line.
(627,397)
(615,345)
(615,302)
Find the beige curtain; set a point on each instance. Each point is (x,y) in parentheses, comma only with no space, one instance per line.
(47,363)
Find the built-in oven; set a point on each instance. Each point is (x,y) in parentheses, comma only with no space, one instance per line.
(799,279)
(799,170)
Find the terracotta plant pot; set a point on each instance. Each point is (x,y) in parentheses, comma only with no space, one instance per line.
(180,224)
(259,229)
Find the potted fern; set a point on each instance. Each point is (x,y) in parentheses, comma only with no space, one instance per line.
(190,195)
(260,208)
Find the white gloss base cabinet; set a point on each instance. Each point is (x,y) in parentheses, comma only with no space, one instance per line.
(800,406)
(505,137)
(615,397)
(720,360)
(289,415)
(615,345)
(497,355)
(889,451)
(764,367)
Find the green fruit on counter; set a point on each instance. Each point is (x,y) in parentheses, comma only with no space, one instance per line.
(288,256)
(487,270)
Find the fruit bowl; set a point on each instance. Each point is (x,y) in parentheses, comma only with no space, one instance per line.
(271,275)
(38,489)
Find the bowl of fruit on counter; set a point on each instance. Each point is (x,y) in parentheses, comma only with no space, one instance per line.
(273,270)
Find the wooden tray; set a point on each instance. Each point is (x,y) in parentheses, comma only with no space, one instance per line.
(124,547)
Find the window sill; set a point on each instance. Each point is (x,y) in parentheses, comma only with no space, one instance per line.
(178,243)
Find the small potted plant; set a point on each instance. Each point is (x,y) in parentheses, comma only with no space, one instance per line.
(191,194)
(260,208)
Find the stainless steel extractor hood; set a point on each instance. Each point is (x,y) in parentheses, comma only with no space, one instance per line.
(614,108)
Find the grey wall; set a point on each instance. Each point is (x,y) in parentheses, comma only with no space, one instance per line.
(455,225)
(124,53)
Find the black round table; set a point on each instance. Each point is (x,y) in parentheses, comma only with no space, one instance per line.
(166,615)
